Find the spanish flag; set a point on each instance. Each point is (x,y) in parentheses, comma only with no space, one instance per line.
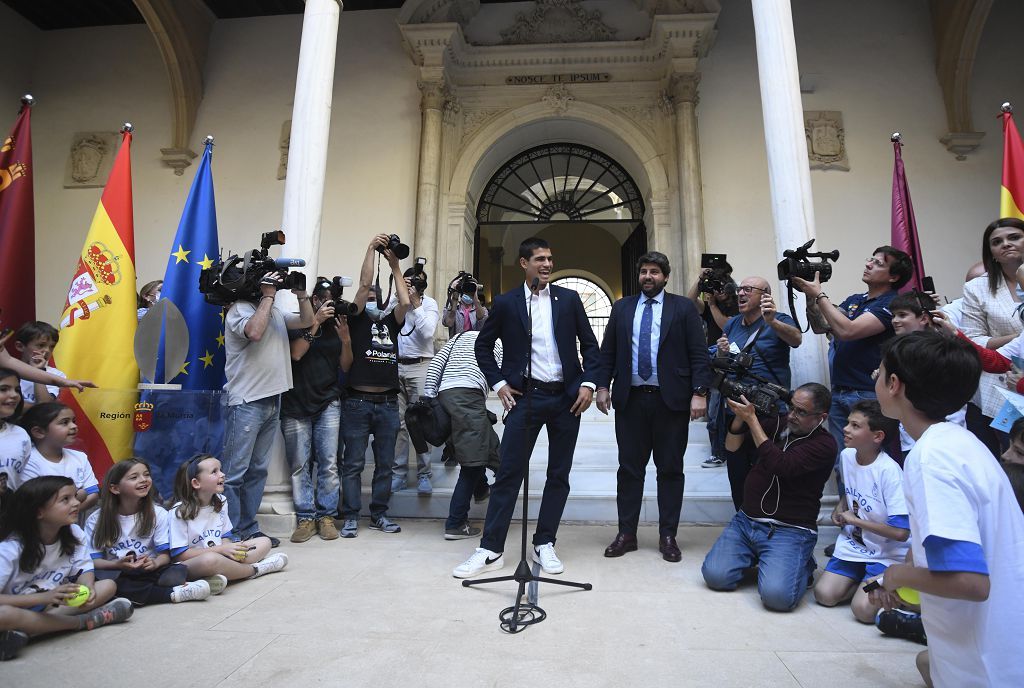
(97,327)
(1011,195)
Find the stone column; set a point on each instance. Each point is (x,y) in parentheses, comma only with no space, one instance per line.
(311,125)
(684,99)
(788,168)
(303,202)
(432,103)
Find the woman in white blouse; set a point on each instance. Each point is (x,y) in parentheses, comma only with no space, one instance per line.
(990,316)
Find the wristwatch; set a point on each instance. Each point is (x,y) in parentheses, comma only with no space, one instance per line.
(702,391)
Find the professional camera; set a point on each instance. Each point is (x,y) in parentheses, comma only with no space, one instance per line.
(798,263)
(400,250)
(465,283)
(733,379)
(717,281)
(336,287)
(417,276)
(239,277)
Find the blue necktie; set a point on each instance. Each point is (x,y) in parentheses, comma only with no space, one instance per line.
(643,363)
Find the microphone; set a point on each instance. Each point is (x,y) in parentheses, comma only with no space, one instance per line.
(289,262)
(535,285)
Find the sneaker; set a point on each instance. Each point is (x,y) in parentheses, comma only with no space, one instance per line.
(900,623)
(11,643)
(217,583)
(424,487)
(385,525)
(350,528)
(398,484)
(274,542)
(196,590)
(713,462)
(461,533)
(482,560)
(116,611)
(546,557)
(481,493)
(270,564)
(305,530)
(328,531)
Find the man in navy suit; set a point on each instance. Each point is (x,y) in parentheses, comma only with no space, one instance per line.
(654,350)
(560,391)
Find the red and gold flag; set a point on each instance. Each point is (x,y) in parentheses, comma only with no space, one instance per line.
(1011,195)
(97,327)
(17,225)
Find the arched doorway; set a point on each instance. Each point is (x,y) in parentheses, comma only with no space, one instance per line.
(583,202)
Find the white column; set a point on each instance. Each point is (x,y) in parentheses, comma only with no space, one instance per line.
(788,169)
(311,125)
(684,100)
(432,103)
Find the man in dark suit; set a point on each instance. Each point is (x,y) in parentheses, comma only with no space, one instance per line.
(654,350)
(560,391)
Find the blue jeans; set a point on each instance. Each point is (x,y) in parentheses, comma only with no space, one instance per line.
(362,419)
(249,432)
(782,554)
(309,440)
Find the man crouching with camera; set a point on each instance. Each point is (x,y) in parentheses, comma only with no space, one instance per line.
(776,528)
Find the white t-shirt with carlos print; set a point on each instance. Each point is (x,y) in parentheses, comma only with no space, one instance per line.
(206,530)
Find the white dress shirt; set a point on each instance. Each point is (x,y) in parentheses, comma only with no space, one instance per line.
(638,314)
(416,336)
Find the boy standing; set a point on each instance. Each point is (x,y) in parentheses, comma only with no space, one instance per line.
(35,341)
(967,558)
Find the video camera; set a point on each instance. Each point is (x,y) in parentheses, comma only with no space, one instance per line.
(717,281)
(797,263)
(239,277)
(336,287)
(762,394)
(464,283)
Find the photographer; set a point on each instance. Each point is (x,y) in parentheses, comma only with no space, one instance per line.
(258,372)
(714,293)
(311,416)
(371,402)
(776,528)
(776,334)
(415,350)
(858,327)
(463,311)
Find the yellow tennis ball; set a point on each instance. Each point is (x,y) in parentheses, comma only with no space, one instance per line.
(909,595)
(79,598)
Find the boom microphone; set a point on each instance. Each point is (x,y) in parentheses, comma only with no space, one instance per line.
(289,262)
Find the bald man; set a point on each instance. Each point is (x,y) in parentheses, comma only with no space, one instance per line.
(778,334)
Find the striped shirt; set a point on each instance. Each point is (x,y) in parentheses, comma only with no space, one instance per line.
(462,370)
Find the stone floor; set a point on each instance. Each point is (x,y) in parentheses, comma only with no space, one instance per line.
(383,610)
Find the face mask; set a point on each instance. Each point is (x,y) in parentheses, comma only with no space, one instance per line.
(467,299)
(372,311)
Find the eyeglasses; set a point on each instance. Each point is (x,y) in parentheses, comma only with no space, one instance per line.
(746,289)
(801,413)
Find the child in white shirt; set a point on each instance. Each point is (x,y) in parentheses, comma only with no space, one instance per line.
(52,428)
(35,341)
(15,446)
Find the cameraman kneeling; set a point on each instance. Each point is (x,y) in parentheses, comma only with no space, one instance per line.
(776,529)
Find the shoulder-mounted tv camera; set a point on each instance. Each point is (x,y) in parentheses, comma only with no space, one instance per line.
(238,278)
(797,263)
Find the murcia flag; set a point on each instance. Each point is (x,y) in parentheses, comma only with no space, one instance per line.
(97,327)
(1011,195)
(17,224)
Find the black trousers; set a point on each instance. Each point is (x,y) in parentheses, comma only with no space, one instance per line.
(645,425)
(549,409)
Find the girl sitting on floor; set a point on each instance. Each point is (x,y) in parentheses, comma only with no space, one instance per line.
(52,428)
(15,445)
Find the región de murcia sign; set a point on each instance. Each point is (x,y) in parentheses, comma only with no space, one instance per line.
(574,78)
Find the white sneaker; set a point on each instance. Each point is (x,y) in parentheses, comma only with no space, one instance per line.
(217,583)
(271,564)
(196,590)
(546,557)
(481,561)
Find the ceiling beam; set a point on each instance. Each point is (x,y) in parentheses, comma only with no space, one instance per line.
(958,25)
(181,29)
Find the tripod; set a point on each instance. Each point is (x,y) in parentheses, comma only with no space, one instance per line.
(523,614)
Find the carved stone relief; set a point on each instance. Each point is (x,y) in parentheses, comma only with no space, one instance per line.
(474,119)
(90,159)
(558,21)
(282,144)
(826,140)
(558,98)
(643,115)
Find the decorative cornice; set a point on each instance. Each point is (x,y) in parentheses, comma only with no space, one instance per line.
(558,22)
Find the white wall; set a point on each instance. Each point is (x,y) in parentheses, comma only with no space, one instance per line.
(15,75)
(874,61)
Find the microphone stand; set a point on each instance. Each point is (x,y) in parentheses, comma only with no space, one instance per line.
(522,614)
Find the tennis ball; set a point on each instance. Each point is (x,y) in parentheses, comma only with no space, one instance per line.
(79,598)
(909,595)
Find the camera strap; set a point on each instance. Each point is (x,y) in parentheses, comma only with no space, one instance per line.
(749,347)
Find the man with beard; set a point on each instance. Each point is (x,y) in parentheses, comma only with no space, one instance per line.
(654,350)
(776,528)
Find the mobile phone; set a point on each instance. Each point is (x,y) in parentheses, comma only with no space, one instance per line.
(928,284)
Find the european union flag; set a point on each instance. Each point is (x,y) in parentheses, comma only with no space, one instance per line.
(196,247)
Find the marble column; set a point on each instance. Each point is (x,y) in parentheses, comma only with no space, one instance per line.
(788,168)
(432,102)
(303,203)
(684,100)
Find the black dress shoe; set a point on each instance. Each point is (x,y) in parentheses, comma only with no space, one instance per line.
(669,549)
(620,545)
